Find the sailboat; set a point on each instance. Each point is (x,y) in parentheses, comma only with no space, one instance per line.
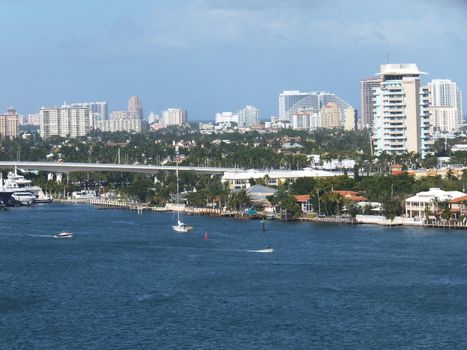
(180,227)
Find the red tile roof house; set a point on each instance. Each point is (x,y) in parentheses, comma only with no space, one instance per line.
(458,206)
(305,202)
(351,195)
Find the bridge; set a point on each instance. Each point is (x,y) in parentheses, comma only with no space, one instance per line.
(62,167)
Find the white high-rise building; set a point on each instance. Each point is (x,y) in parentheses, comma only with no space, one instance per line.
(65,121)
(175,116)
(301,121)
(401,111)
(248,116)
(446,105)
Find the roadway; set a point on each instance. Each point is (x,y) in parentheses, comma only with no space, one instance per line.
(62,167)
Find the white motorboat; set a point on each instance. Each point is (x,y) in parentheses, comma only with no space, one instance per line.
(265,250)
(24,197)
(181,227)
(64,234)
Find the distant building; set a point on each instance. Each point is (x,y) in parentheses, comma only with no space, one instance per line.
(65,121)
(350,119)
(330,117)
(99,110)
(30,119)
(241,179)
(401,111)
(175,116)
(121,121)
(135,108)
(446,105)
(293,101)
(226,117)
(301,121)
(248,116)
(367,87)
(9,123)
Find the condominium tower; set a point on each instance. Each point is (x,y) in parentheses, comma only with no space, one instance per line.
(175,116)
(401,111)
(446,105)
(248,116)
(9,123)
(367,87)
(65,121)
(135,107)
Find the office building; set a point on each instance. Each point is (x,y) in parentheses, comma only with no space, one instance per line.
(174,116)
(248,116)
(65,121)
(293,101)
(135,107)
(401,111)
(367,87)
(446,105)
(9,123)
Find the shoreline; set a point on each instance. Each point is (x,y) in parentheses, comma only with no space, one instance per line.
(359,220)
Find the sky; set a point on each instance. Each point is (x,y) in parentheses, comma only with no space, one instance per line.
(209,56)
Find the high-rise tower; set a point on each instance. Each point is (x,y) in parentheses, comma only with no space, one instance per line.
(367,87)
(135,107)
(446,105)
(401,111)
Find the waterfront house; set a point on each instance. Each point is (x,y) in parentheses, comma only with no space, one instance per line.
(458,206)
(259,194)
(305,203)
(427,202)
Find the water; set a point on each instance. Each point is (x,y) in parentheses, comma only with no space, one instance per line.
(128,282)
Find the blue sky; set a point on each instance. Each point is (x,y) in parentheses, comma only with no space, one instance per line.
(217,55)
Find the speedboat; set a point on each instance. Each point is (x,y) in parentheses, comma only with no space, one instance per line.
(64,234)
(265,250)
(181,227)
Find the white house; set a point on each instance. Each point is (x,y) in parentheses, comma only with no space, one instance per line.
(415,206)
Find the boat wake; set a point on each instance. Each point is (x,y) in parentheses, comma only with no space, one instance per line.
(264,251)
(41,236)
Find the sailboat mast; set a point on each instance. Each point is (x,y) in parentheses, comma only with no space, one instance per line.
(178,189)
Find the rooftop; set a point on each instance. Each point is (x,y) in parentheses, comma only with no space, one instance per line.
(400,69)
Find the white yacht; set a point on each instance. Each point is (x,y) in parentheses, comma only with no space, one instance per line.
(84,194)
(23,197)
(19,183)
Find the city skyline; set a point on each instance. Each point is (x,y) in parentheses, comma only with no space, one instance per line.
(170,54)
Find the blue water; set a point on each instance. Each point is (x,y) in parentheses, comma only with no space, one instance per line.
(128,282)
